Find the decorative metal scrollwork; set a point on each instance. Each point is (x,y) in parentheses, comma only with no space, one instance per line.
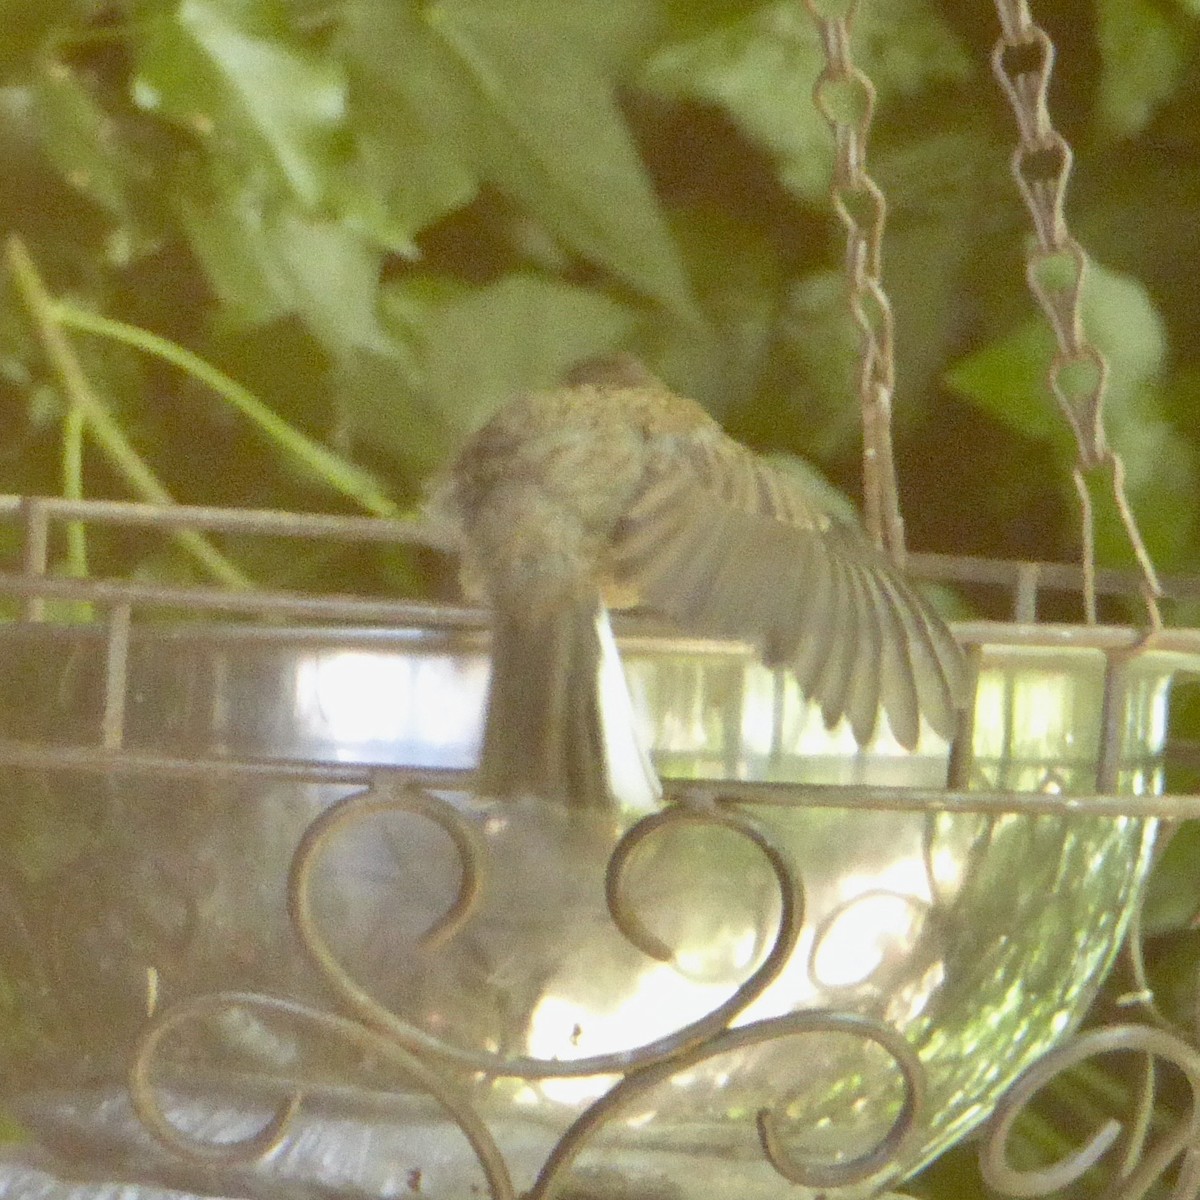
(889,1151)
(443,1070)
(272,1134)
(385,797)
(1140,1168)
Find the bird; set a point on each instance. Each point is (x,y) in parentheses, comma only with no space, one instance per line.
(611,490)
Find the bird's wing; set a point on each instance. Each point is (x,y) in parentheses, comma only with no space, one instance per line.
(729,545)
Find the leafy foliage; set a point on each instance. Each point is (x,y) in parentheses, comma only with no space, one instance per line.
(383,216)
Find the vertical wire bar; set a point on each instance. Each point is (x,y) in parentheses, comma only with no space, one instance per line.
(735,750)
(1088,522)
(35,549)
(116,675)
(778,697)
(1025,594)
(1112,720)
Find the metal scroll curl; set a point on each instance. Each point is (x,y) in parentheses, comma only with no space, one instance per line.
(262,1142)
(888,1152)
(385,796)
(1138,1170)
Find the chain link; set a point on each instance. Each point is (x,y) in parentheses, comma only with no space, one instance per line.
(845,97)
(1022,60)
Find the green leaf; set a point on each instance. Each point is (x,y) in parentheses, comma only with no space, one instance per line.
(819,351)
(225,82)
(1173,894)
(1162,481)
(934,184)
(399,178)
(458,352)
(487,344)
(331,278)
(1120,316)
(384,408)
(831,499)
(738,279)
(26,29)
(407,167)
(1008,380)
(82,140)
(1144,54)
(615,32)
(403,176)
(529,109)
(266,261)
(761,69)
(223,221)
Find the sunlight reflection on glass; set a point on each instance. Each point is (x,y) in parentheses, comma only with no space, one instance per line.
(429,704)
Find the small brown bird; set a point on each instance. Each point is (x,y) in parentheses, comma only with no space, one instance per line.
(613,482)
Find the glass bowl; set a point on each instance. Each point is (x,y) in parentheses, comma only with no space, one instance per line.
(808,952)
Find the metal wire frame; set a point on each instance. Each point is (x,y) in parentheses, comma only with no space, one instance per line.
(862,208)
(34,586)
(424,1060)
(1043,190)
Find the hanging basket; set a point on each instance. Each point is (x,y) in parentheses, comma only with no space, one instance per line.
(252,865)
(260,934)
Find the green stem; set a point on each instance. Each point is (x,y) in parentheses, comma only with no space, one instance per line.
(108,433)
(342,476)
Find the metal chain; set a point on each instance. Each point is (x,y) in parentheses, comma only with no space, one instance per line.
(845,97)
(1022,61)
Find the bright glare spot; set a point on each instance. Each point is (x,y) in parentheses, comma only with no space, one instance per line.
(563,1028)
(760,702)
(1040,710)
(414,703)
(948,868)
(865,935)
(906,877)
(356,695)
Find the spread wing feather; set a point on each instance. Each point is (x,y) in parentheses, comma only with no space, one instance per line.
(728,545)
(898,685)
(864,699)
(832,684)
(811,597)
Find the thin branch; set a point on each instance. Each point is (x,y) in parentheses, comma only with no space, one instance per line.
(339,474)
(109,436)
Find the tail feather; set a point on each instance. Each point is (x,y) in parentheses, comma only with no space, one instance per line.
(560,722)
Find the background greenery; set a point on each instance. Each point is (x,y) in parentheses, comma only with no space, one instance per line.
(381,217)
